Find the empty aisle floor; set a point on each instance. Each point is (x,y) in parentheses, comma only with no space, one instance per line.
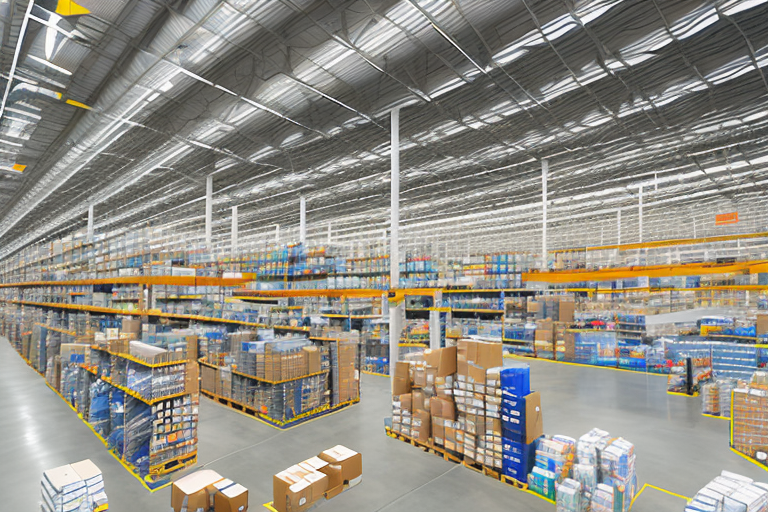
(677,449)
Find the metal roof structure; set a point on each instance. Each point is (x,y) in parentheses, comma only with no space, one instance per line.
(128,105)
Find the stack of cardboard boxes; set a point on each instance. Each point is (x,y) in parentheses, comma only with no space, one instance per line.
(750,416)
(453,400)
(74,487)
(553,316)
(521,421)
(302,485)
(346,375)
(208,491)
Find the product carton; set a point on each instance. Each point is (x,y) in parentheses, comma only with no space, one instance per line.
(194,491)
(231,499)
(762,324)
(566,310)
(417,400)
(297,488)
(442,360)
(401,382)
(527,426)
(312,355)
(350,461)
(421,426)
(441,408)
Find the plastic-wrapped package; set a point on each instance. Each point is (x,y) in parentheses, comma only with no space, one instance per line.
(138,431)
(602,499)
(117,421)
(569,496)
(555,455)
(542,481)
(586,475)
(98,413)
(710,398)
(590,445)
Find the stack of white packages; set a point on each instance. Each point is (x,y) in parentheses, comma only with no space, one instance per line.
(730,492)
(75,487)
(570,497)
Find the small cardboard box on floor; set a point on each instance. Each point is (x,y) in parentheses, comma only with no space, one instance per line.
(301,486)
(207,490)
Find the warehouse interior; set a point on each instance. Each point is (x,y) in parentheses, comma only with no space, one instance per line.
(387,254)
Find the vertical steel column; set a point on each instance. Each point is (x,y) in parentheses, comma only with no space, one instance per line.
(396,312)
(618,226)
(89,236)
(303,220)
(234,230)
(277,234)
(329,232)
(208,209)
(544,174)
(640,211)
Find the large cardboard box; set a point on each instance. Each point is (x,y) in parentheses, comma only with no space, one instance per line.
(335,480)
(442,360)
(566,310)
(442,408)
(313,359)
(532,424)
(194,491)
(569,342)
(475,357)
(232,499)
(401,383)
(762,323)
(417,400)
(421,426)
(351,462)
(297,488)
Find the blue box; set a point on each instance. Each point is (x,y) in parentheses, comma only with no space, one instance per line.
(516,381)
(519,473)
(512,403)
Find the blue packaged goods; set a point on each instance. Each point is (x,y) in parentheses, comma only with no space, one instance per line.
(602,499)
(542,481)
(569,496)
(516,381)
(517,459)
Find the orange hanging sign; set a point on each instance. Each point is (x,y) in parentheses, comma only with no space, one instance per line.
(723,219)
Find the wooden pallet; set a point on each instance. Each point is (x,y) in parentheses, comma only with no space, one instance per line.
(511,481)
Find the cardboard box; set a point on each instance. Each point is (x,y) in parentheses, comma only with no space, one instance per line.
(442,360)
(350,461)
(532,424)
(566,311)
(312,355)
(401,382)
(421,426)
(194,491)
(417,400)
(762,323)
(232,499)
(297,488)
(406,402)
(442,408)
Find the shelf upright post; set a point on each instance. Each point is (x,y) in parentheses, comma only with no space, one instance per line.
(396,308)
(208,209)
(277,234)
(303,220)
(640,212)
(618,225)
(234,230)
(89,237)
(544,175)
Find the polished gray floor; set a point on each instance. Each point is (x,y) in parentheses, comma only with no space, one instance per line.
(677,449)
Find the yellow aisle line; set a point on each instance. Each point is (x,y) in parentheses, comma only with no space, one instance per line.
(716,417)
(374,373)
(675,393)
(750,459)
(269,506)
(515,356)
(537,495)
(637,495)
(667,492)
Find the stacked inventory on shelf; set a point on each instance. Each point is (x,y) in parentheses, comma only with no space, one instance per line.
(284,380)
(730,491)
(749,418)
(140,397)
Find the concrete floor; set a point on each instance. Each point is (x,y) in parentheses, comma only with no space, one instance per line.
(677,448)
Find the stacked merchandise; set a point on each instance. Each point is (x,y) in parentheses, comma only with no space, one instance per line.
(77,487)
(749,410)
(207,491)
(521,422)
(716,397)
(593,347)
(322,477)
(595,473)
(730,492)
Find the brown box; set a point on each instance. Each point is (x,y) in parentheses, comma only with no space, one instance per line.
(442,408)
(438,431)
(312,355)
(421,426)
(132,326)
(566,310)
(533,306)
(194,490)
(417,400)
(232,499)
(569,341)
(401,382)
(296,489)
(762,323)
(209,379)
(442,360)
(534,420)
(350,461)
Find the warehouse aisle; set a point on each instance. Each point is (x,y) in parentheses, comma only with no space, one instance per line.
(678,449)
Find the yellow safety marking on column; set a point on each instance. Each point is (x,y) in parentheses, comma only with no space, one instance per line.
(750,459)
(374,373)
(19,167)
(78,104)
(717,417)
(70,8)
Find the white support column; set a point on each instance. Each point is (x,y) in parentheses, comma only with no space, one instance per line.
(303,220)
(394,222)
(234,230)
(329,232)
(434,322)
(544,174)
(618,226)
(277,234)
(640,212)
(396,310)
(89,235)
(694,228)
(208,209)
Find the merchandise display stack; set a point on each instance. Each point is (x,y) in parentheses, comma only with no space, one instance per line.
(730,492)
(207,491)
(284,380)
(77,487)
(716,397)
(749,418)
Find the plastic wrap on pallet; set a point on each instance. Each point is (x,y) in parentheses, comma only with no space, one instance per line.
(570,496)
(138,431)
(98,412)
(730,492)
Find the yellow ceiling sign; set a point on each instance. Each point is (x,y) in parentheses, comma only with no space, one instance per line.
(78,104)
(70,8)
(19,167)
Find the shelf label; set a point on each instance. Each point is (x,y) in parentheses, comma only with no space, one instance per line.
(723,219)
